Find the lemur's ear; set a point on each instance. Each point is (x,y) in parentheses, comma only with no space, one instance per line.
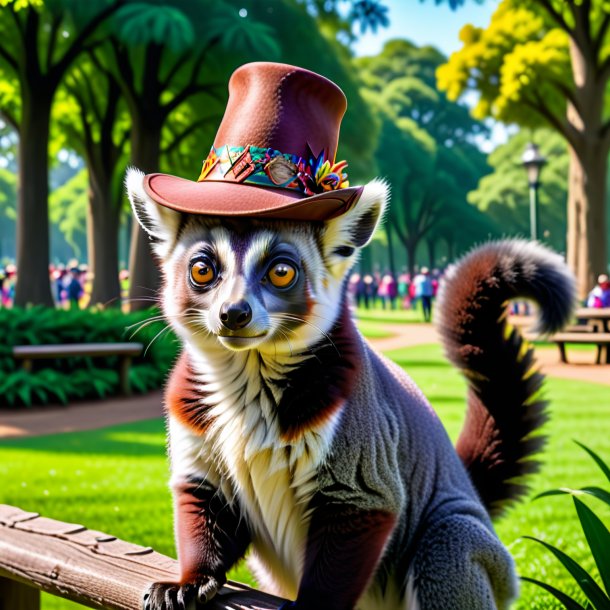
(347,234)
(159,222)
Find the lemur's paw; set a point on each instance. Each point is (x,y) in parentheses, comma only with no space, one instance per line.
(207,589)
(168,596)
(174,596)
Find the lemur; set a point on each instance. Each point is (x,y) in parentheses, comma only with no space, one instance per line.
(290,436)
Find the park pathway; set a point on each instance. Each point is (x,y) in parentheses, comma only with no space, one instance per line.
(98,414)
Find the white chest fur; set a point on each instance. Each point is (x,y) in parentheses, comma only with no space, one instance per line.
(271,479)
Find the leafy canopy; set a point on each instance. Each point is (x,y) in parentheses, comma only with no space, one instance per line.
(426,145)
(520,64)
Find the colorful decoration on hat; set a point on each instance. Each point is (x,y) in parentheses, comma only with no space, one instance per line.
(272,168)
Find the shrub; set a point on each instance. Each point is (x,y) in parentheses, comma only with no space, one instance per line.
(597,538)
(65,379)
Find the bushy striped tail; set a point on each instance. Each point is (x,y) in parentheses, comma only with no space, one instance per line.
(505,408)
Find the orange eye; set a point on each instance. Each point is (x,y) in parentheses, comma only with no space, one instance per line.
(282,275)
(202,273)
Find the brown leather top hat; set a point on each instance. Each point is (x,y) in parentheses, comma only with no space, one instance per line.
(274,153)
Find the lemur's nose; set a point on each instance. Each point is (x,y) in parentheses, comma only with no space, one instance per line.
(235,315)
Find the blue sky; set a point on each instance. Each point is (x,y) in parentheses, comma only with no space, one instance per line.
(426,23)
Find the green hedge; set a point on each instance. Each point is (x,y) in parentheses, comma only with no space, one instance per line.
(66,379)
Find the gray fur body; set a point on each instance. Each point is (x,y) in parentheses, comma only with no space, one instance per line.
(443,552)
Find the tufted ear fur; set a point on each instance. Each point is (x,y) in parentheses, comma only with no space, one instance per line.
(346,235)
(159,222)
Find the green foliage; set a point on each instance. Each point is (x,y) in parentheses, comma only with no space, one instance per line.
(514,63)
(426,147)
(503,194)
(251,37)
(142,23)
(73,378)
(597,537)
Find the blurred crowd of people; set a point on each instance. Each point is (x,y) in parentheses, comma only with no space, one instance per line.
(71,287)
(404,291)
(71,284)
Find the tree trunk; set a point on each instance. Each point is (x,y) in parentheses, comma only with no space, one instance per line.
(587,238)
(391,261)
(144,273)
(104,247)
(431,243)
(450,249)
(33,284)
(411,248)
(587,241)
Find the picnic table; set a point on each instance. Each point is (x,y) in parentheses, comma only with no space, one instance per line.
(598,317)
(593,329)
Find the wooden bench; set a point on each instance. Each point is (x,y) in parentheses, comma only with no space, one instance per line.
(601,340)
(125,352)
(89,567)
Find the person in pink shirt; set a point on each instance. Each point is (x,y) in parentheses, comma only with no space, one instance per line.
(600,295)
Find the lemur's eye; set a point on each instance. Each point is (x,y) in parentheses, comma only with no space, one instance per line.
(202,272)
(282,275)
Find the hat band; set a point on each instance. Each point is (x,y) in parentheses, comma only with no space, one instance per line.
(272,168)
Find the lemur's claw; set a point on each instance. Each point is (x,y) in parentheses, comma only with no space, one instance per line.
(174,596)
(168,596)
(207,589)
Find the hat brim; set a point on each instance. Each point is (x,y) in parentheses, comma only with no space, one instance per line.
(223,198)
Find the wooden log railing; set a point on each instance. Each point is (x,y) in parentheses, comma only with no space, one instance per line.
(89,567)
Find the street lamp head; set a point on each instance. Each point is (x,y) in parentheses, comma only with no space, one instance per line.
(533,162)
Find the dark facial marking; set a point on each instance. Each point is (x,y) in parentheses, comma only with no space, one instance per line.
(291,300)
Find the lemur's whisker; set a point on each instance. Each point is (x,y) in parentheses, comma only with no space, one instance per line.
(295,318)
(281,329)
(163,330)
(144,323)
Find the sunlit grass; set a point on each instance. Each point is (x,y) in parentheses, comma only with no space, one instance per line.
(373,330)
(389,316)
(115,479)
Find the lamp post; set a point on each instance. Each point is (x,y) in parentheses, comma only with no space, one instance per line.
(533,162)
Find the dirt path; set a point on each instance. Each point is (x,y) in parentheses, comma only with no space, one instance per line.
(581,363)
(80,416)
(91,415)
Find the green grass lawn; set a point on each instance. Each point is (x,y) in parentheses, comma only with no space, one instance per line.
(115,479)
(389,316)
(373,330)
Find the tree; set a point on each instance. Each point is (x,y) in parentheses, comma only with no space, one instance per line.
(546,62)
(503,194)
(426,145)
(99,133)
(37,46)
